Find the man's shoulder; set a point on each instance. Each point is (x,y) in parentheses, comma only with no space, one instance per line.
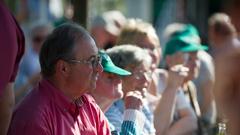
(35,103)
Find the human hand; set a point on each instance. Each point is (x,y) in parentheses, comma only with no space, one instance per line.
(176,76)
(133,100)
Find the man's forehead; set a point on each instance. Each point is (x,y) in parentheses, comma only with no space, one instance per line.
(86,46)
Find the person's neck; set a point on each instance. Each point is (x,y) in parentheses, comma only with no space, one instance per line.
(65,89)
(104,103)
(226,45)
(222,40)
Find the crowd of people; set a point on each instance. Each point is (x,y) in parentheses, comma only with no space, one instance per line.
(116,78)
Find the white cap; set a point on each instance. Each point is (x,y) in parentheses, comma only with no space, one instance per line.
(112,21)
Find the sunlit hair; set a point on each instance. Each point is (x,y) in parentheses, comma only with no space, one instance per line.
(60,44)
(135,30)
(129,56)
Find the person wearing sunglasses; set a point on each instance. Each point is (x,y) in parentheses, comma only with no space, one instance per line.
(59,104)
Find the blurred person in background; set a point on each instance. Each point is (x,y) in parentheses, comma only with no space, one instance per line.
(29,71)
(109,89)
(232,8)
(59,104)
(205,80)
(142,34)
(106,28)
(225,44)
(12,44)
(138,62)
(181,49)
(67,16)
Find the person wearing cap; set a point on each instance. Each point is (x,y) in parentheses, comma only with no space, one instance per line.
(205,80)
(109,89)
(182,49)
(138,62)
(106,28)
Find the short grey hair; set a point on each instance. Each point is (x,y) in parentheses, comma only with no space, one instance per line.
(129,56)
(60,45)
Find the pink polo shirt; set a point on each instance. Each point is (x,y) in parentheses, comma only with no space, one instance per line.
(46,111)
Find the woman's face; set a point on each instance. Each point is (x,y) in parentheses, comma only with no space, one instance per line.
(155,52)
(139,80)
(109,86)
(190,60)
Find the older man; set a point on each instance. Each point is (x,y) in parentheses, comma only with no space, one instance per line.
(59,104)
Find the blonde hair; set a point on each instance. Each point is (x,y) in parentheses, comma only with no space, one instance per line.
(129,55)
(134,31)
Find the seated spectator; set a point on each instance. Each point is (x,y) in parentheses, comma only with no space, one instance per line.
(143,34)
(109,89)
(29,72)
(205,80)
(59,105)
(138,62)
(106,28)
(179,50)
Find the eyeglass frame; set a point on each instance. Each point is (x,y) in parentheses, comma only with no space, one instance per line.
(139,74)
(93,60)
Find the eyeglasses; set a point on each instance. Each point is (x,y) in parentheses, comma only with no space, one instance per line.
(94,60)
(140,74)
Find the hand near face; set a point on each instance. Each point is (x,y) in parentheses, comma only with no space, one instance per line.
(133,100)
(176,75)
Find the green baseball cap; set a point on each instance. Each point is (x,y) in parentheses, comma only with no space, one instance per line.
(185,40)
(188,30)
(182,43)
(108,65)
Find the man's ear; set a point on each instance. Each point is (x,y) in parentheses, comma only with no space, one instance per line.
(62,67)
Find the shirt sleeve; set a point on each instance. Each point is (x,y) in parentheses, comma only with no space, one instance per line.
(115,116)
(133,122)
(8,47)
